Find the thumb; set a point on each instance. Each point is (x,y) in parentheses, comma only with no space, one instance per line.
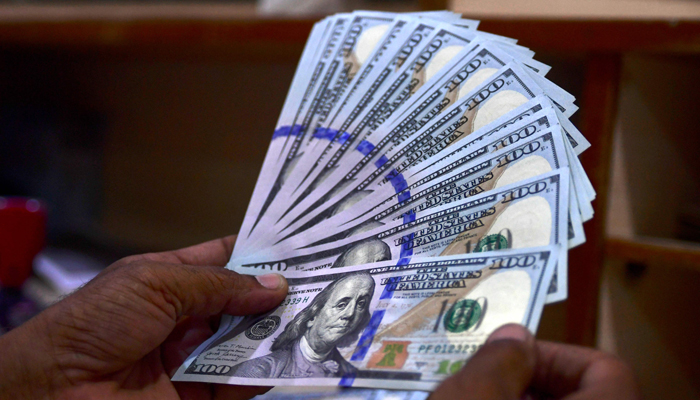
(206,291)
(501,369)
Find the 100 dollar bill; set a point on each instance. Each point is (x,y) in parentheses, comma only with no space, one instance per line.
(530,213)
(446,85)
(526,158)
(384,325)
(454,124)
(396,49)
(318,73)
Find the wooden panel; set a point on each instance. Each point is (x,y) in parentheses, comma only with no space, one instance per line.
(185,29)
(14,13)
(577,9)
(598,108)
(599,36)
(184,11)
(164,32)
(656,170)
(433,4)
(648,318)
(216,29)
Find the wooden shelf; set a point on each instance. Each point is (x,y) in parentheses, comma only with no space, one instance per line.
(599,36)
(634,10)
(654,250)
(155,31)
(654,174)
(240,29)
(127,12)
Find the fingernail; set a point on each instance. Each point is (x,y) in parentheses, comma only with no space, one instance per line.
(510,331)
(270,281)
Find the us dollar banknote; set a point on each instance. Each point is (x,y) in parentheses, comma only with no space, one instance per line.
(399,47)
(324,72)
(340,393)
(507,89)
(448,49)
(530,213)
(386,325)
(324,38)
(512,131)
(444,184)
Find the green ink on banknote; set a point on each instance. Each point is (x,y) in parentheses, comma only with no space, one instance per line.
(462,316)
(492,242)
(389,358)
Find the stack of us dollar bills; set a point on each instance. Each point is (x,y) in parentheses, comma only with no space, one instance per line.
(421,189)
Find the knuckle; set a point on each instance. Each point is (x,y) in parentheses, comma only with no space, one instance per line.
(130,260)
(138,277)
(139,269)
(125,263)
(227,280)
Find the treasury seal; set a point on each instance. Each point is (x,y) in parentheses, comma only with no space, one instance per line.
(263,328)
(491,243)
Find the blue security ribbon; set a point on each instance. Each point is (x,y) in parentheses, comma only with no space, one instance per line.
(296,130)
(342,137)
(367,336)
(281,132)
(287,130)
(365,147)
(325,133)
(382,160)
(397,181)
(407,246)
(409,217)
(347,379)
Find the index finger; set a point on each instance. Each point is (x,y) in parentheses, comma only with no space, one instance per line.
(565,369)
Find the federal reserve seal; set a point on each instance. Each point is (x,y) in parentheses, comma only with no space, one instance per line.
(263,328)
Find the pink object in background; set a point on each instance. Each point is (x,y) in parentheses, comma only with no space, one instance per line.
(22,236)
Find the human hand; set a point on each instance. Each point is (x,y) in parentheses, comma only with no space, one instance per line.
(512,365)
(126,332)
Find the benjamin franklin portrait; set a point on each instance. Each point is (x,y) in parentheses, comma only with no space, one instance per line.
(308,346)
(366,252)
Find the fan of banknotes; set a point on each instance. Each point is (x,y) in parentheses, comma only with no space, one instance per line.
(421,189)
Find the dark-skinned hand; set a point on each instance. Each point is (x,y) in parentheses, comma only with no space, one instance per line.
(124,334)
(512,365)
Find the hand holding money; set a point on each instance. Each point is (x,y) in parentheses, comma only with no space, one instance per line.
(421,189)
(125,332)
(97,344)
(512,365)
(382,325)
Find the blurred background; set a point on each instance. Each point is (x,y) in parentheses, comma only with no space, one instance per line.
(133,127)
